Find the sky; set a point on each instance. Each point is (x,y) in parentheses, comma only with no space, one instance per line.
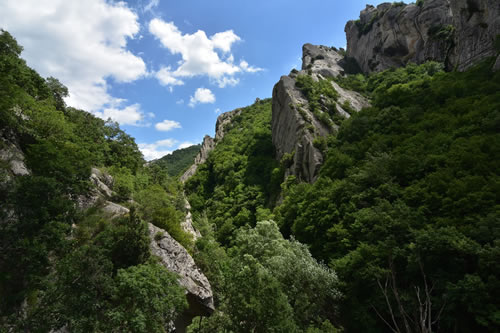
(165,69)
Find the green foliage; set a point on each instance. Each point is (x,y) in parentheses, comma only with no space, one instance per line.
(177,162)
(406,194)
(85,271)
(146,298)
(420,3)
(445,33)
(497,43)
(238,176)
(269,284)
(158,207)
(319,94)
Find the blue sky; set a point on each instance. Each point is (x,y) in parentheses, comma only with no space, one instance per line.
(165,69)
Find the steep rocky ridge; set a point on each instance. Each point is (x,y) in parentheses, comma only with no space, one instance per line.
(458,33)
(209,143)
(294,126)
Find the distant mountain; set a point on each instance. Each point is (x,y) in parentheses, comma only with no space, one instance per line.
(179,160)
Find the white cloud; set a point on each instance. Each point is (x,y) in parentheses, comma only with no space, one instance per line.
(185,145)
(167,125)
(217,111)
(80,42)
(201,95)
(152,151)
(130,115)
(152,4)
(201,55)
(164,75)
(179,102)
(247,68)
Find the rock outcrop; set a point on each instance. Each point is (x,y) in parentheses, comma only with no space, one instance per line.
(206,147)
(294,126)
(458,33)
(187,224)
(209,143)
(176,259)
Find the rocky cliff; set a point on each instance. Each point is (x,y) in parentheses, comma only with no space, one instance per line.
(209,143)
(176,259)
(458,33)
(294,124)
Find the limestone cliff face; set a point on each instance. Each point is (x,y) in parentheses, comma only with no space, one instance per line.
(458,33)
(294,126)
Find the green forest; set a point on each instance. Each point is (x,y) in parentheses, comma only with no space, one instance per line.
(400,232)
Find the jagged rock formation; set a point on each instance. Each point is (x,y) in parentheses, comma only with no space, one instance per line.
(458,33)
(206,147)
(222,120)
(176,259)
(187,224)
(209,143)
(294,126)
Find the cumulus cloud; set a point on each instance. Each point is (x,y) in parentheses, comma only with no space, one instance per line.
(152,151)
(130,115)
(81,42)
(201,95)
(164,75)
(185,145)
(247,68)
(167,125)
(201,55)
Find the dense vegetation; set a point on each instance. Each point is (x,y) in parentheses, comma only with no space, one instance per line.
(401,227)
(262,282)
(177,162)
(60,266)
(406,207)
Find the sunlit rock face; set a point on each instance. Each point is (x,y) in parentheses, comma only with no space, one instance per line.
(459,33)
(294,126)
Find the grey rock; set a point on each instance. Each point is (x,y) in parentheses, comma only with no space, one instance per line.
(176,259)
(12,155)
(392,35)
(102,181)
(206,147)
(209,143)
(294,131)
(222,121)
(114,209)
(496,66)
(187,224)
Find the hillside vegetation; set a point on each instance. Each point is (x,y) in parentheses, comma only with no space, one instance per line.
(405,210)
(177,162)
(61,266)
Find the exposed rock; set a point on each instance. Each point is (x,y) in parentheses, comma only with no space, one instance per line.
(294,131)
(209,143)
(322,59)
(206,147)
(102,191)
(187,224)
(176,259)
(11,154)
(223,120)
(114,209)
(496,66)
(102,181)
(458,33)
